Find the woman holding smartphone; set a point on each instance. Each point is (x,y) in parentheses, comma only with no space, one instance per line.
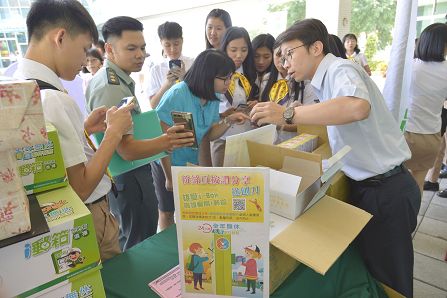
(210,73)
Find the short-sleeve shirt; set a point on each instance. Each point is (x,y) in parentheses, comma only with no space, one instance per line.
(108,87)
(157,74)
(358,58)
(62,111)
(428,91)
(180,98)
(377,143)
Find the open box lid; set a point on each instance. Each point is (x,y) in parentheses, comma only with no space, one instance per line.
(321,234)
(323,148)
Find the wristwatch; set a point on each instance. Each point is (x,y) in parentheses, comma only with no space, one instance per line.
(288,115)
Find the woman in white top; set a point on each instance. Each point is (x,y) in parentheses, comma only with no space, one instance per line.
(164,74)
(353,51)
(241,92)
(428,91)
(216,24)
(263,51)
(93,63)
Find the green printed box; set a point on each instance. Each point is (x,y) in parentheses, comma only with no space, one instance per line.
(42,166)
(68,249)
(85,285)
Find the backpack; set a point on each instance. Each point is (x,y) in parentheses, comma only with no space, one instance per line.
(44,85)
(190,265)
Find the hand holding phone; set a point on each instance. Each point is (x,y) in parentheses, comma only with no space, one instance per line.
(175,63)
(127,101)
(185,119)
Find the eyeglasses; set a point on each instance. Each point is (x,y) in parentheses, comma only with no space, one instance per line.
(226,80)
(288,56)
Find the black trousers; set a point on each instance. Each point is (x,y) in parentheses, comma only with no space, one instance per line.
(135,207)
(386,243)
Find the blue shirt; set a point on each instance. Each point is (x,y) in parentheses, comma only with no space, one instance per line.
(179,98)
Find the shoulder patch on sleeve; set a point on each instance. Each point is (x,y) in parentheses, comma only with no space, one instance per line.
(112,77)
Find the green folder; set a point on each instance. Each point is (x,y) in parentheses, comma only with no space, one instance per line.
(146,126)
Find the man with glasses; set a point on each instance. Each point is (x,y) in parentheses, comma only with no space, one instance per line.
(356,115)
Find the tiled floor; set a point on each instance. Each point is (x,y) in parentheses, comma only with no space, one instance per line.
(430,247)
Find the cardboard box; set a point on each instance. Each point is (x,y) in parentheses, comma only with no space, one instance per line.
(42,166)
(303,142)
(85,285)
(323,147)
(319,235)
(69,248)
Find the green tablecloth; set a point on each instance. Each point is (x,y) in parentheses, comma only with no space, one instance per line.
(128,274)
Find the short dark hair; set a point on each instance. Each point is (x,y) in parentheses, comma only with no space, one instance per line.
(220,14)
(336,46)
(233,33)
(68,14)
(308,31)
(114,27)
(207,66)
(170,30)
(100,45)
(351,36)
(432,42)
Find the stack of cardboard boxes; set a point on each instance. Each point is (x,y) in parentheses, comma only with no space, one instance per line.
(314,236)
(59,256)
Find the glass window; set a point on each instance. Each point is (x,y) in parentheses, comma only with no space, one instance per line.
(4,3)
(10,35)
(15,12)
(13,3)
(24,12)
(441,8)
(23,48)
(4,13)
(5,63)
(425,10)
(24,3)
(12,46)
(2,35)
(4,49)
(21,37)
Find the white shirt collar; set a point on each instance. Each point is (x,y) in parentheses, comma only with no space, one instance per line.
(30,69)
(322,68)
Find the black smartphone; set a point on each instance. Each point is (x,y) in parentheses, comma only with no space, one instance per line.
(185,119)
(175,63)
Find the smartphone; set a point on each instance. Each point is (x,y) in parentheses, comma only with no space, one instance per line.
(175,63)
(185,118)
(127,101)
(242,107)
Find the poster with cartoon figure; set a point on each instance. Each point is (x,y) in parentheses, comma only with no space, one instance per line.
(223,230)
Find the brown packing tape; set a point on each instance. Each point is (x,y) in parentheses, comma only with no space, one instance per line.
(319,236)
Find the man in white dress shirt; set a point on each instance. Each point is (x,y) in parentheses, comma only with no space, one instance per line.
(355,113)
(58,29)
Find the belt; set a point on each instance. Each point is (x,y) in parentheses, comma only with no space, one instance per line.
(378,179)
(104,197)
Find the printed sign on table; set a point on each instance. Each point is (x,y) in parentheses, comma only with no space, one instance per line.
(223,230)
